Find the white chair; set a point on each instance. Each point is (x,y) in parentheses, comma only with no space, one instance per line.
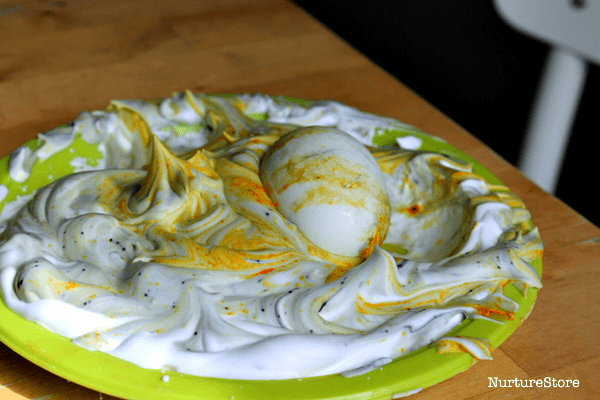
(572,29)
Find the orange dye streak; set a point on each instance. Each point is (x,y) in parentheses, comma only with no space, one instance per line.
(487,311)
(263,272)
(414,209)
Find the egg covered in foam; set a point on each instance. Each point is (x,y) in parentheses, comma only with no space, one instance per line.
(330,186)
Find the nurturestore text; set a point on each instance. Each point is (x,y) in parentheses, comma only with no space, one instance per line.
(546,382)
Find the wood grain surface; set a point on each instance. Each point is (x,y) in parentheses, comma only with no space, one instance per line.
(58,58)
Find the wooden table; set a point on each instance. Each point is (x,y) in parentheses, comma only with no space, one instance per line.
(58,58)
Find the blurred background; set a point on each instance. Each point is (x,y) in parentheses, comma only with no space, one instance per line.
(466,61)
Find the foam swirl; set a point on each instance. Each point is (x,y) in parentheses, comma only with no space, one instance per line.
(172,241)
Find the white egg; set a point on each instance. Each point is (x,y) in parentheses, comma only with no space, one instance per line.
(330,186)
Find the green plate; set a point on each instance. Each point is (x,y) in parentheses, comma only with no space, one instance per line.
(107,374)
